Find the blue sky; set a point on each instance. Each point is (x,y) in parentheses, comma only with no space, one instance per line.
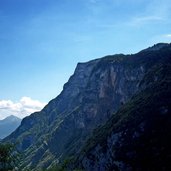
(41,41)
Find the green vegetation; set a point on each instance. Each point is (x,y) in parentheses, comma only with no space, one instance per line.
(65,166)
(63,126)
(59,168)
(8,157)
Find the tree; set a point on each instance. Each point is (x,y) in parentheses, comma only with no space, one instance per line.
(8,157)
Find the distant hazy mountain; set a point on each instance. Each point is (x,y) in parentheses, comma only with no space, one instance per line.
(8,125)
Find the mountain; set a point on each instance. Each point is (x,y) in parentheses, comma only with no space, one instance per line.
(157,46)
(138,135)
(8,125)
(97,91)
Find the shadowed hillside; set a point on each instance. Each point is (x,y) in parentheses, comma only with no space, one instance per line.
(124,89)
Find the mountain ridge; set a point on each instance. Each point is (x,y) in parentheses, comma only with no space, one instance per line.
(137,137)
(95,91)
(8,125)
(157,46)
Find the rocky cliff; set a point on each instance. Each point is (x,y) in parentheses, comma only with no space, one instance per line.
(95,91)
(138,136)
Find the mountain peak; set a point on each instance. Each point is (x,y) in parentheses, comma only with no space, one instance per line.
(8,125)
(12,118)
(92,96)
(157,46)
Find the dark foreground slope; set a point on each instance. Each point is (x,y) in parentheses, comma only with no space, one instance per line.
(96,90)
(138,136)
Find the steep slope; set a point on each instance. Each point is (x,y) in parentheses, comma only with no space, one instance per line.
(138,136)
(8,125)
(95,91)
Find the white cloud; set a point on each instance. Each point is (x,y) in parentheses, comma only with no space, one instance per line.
(161,38)
(23,108)
(167,35)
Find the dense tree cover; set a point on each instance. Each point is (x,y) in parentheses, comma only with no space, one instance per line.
(64,166)
(8,157)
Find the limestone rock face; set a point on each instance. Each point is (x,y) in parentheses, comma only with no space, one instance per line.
(138,135)
(95,91)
